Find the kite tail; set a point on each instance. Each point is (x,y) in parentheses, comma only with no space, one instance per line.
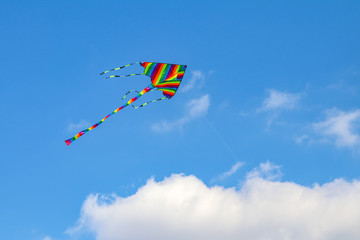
(147,89)
(129,75)
(114,69)
(150,102)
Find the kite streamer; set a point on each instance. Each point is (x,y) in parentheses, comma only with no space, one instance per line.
(150,102)
(114,69)
(164,77)
(128,93)
(134,74)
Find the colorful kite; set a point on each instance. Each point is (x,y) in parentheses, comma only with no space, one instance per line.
(164,77)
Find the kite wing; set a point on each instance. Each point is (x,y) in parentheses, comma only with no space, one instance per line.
(165,77)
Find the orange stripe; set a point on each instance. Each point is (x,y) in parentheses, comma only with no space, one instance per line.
(169,85)
(157,74)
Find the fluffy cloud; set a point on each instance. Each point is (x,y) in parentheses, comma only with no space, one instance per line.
(267,171)
(229,173)
(280,100)
(340,127)
(195,108)
(183,207)
(197,80)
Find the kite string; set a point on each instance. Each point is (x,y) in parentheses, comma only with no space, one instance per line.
(221,139)
(217,134)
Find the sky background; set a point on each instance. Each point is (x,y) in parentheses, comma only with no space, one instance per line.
(271,92)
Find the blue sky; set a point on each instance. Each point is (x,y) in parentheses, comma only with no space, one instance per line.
(271,92)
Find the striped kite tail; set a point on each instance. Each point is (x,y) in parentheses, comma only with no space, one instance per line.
(145,90)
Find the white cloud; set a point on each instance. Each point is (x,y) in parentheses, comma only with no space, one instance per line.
(267,171)
(280,100)
(197,80)
(343,87)
(198,107)
(78,126)
(229,173)
(183,207)
(195,108)
(47,238)
(340,127)
(301,139)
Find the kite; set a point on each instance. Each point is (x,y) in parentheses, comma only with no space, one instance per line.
(165,77)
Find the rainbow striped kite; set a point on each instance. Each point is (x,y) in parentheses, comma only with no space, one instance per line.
(164,77)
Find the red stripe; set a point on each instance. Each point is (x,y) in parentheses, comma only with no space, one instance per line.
(180,75)
(169,85)
(168,94)
(157,73)
(145,64)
